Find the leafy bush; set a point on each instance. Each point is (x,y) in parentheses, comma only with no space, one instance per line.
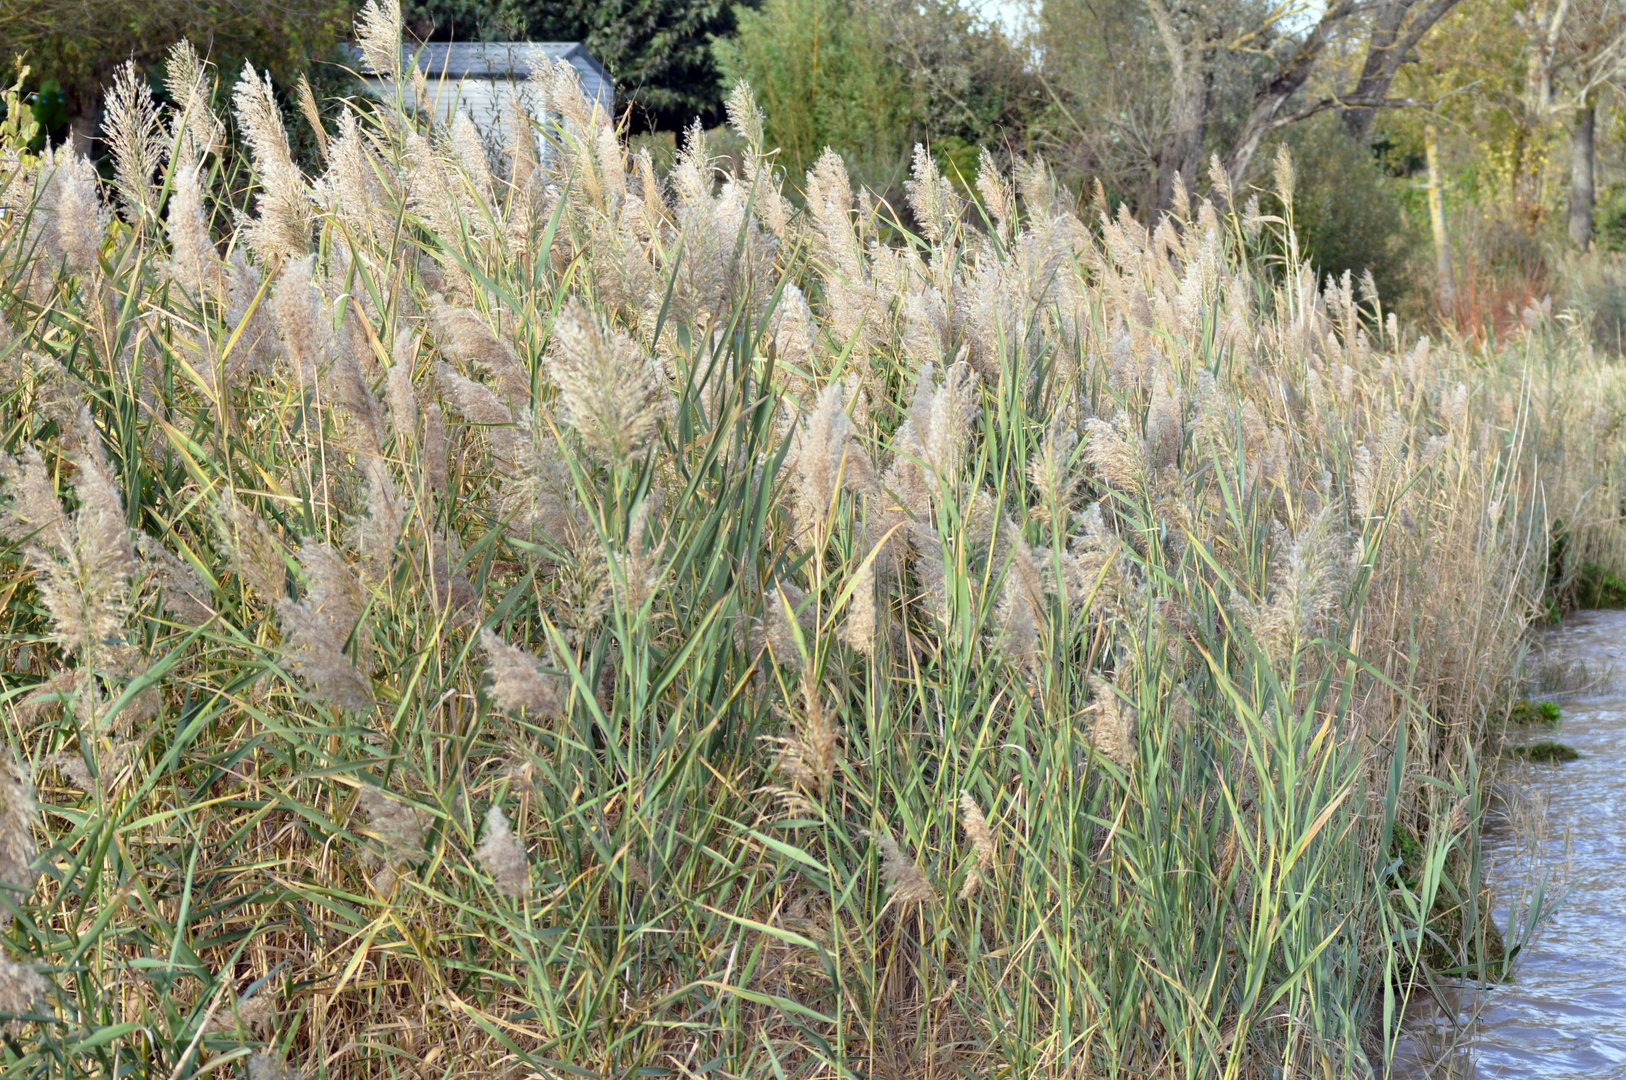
(822,73)
(1349,209)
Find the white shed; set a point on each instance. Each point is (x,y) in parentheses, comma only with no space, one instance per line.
(479,77)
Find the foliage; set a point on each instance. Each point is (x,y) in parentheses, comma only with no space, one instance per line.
(77,43)
(468,616)
(1350,209)
(1545,752)
(823,74)
(659,51)
(1531,712)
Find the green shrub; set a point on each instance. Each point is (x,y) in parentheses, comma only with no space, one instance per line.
(1545,752)
(1530,712)
(818,69)
(1349,209)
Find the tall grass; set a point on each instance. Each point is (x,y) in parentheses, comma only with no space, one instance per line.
(536,617)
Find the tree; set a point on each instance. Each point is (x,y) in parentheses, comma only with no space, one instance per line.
(78,43)
(1193,35)
(659,51)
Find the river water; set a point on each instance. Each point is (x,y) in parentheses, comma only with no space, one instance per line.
(1563,1015)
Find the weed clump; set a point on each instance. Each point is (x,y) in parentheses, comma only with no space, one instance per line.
(1533,712)
(1545,752)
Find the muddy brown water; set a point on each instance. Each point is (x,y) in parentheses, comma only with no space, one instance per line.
(1563,1014)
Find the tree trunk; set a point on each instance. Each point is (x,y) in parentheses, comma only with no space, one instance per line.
(1447,287)
(1182,152)
(1581,187)
(1392,40)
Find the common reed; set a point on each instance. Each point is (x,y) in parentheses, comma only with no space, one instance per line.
(549,618)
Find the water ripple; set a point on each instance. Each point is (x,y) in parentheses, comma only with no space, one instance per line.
(1563,1016)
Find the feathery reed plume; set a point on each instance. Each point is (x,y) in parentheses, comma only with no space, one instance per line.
(85,564)
(1285,176)
(312,114)
(283,228)
(316,628)
(907,884)
(18,852)
(1114,453)
(181,590)
(1053,476)
(250,548)
(613,392)
(192,255)
(1113,733)
(192,122)
(502,856)
(74,217)
(378,32)
(474,401)
(858,629)
(807,757)
(997,197)
(1306,582)
(21,988)
(639,571)
(470,153)
(975,826)
(933,436)
(302,317)
(398,827)
(518,680)
(822,460)
(136,139)
(743,115)
(776,629)
(1221,180)
(266,1066)
(462,335)
(931,197)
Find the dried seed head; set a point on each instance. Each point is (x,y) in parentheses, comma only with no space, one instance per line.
(907,884)
(975,826)
(743,115)
(613,392)
(397,827)
(518,680)
(181,590)
(74,216)
(136,140)
(250,548)
(18,852)
(21,988)
(858,630)
(316,628)
(931,197)
(823,460)
(188,84)
(464,336)
(1113,733)
(378,32)
(501,855)
(264,1066)
(807,757)
(283,227)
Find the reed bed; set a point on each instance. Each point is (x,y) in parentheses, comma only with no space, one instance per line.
(518,614)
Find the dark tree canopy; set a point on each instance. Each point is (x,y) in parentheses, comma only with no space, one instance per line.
(658,50)
(77,43)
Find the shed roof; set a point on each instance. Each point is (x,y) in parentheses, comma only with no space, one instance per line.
(498,60)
